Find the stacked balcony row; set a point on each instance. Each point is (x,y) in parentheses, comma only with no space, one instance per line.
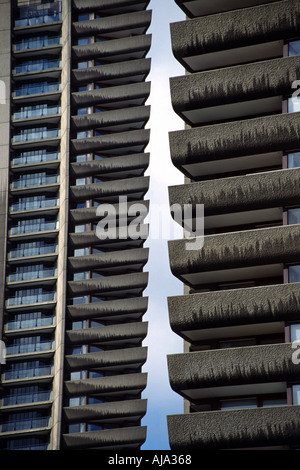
(103,407)
(240,154)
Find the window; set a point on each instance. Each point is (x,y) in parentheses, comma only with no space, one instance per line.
(294,48)
(296,394)
(295,332)
(294,160)
(238,404)
(294,216)
(294,273)
(293,105)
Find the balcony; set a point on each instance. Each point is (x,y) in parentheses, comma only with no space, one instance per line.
(31,250)
(35,157)
(39,111)
(248,428)
(113,144)
(120,360)
(130,438)
(133,71)
(235,37)
(37,42)
(116,386)
(118,26)
(115,50)
(194,8)
(20,349)
(29,372)
(30,273)
(33,204)
(111,7)
(36,66)
(35,89)
(118,413)
(26,398)
(28,297)
(35,15)
(111,286)
(116,335)
(234,92)
(233,372)
(233,313)
(25,424)
(117,310)
(27,135)
(26,322)
(241,200)
(234,146)
(236,256)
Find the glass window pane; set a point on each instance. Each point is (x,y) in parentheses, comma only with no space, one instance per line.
(293,105)
(294,273)
(294,160)
(237,404)
(294,216)
(295,332)
(294,48)
(296,394)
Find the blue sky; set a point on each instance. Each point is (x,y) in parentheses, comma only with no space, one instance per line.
(162,284)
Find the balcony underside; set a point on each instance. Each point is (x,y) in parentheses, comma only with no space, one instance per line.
(113,166)
(195,8)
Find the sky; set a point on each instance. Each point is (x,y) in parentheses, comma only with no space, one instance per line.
(161,340)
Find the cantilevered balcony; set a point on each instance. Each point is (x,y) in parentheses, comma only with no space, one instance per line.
(250,254)
(111,7)
(120,360)
(241,200)
(113,144)
(107,388)
(233,372)
(118,413)
(194,8)
(234,146)
(119,261)
(114,239)
(215,41)
(115,50)
(121,73)
(112,335)
(120,120)
(242,312)
(110,191)
(260,427)
(117,310)
(234,92)
(121,25)
(115,97)
(114,286)
(116,167)
(129,438)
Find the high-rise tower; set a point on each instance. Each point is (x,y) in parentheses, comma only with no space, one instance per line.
(73,138)
(240,154)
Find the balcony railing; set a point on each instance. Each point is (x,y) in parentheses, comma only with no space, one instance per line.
(35,14)
(31,275)
(36,203)
(24,299)
(38,156)
(37,66)
(37,43)
(38,179)
(29,348)
(34,397)
(24,227)
(32,250)
(28,89)
(30,323)
(33,423)
(36,112)
(35,134)
(28,372)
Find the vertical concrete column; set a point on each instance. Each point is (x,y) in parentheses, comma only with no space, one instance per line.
(63,229)
(5,70)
